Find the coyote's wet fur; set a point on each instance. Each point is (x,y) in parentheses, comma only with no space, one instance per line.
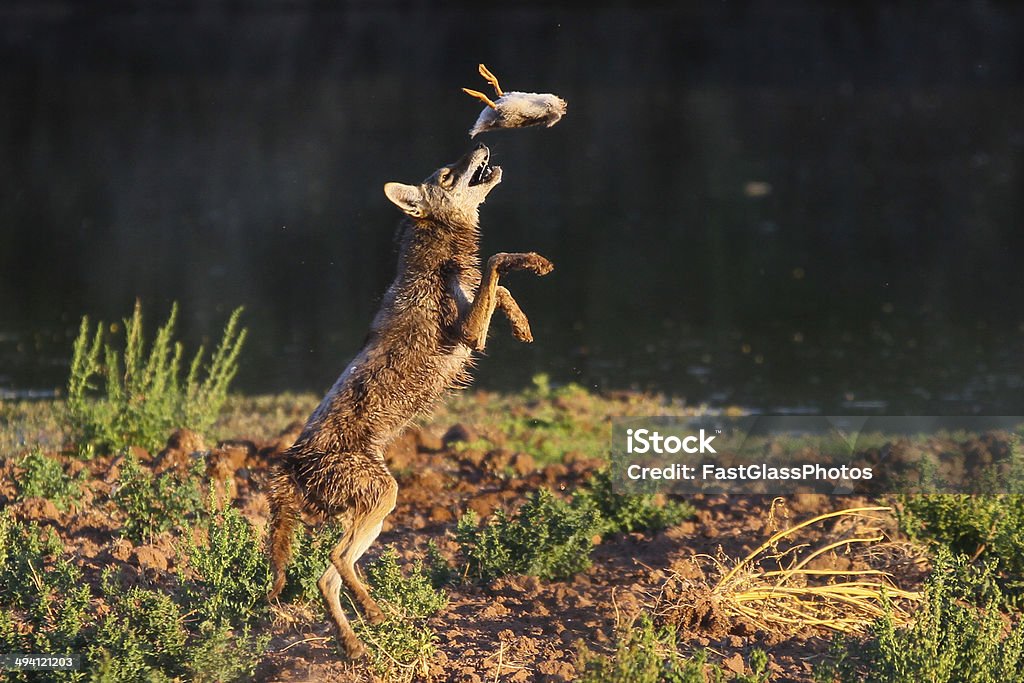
(433,317)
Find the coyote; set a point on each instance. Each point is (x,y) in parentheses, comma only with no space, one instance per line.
(434,315)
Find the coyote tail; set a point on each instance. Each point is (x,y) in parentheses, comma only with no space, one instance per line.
(284,515)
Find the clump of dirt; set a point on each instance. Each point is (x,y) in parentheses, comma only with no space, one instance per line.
(688,603)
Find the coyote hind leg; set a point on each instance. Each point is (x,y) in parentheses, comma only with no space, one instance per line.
(330,588)
(373,500)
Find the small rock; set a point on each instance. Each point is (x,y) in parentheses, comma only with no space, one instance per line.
(141,454)
(742,628)
(473,456)
(431,480)
(523,464)
(149,557)
(497,460)
(440,515)
(484,504)
(36,509)
(186,440)
(458,433)
(121,549)
(428,441)
(284,440)
(735,663)
(556,670)
(75,467)
(554,472)
(402,451)
(178,452)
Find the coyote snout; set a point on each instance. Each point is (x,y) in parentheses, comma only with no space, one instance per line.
(434,315)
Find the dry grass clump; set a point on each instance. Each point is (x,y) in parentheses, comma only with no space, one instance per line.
(798,594)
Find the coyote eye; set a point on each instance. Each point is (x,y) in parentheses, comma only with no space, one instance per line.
(446,177)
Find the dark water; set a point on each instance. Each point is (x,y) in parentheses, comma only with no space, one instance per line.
(781,205)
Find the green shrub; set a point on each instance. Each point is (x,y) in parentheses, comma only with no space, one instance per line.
(134,399)
(546,537)
(231,572)
(403,645)
(143,637)
(413,596)
(625,513)
(219,654)
(645,653)
(439,569)
(44,477)
(310,556)
(146,636)
(44,604)
(154,503)
(989,528)
(950,641)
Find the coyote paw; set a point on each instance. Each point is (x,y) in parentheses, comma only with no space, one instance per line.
(531,261)
(355,651)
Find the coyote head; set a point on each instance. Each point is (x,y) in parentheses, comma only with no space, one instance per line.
(451,195)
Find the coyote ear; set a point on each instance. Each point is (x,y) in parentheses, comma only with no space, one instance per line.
(408,198)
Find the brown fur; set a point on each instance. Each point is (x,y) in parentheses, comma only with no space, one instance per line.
(433,316)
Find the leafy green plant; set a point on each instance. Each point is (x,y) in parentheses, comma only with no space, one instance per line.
(624,513)
(147,636)
(154,503)
(989,528)
(231,573)
(546,537)
(645,653)
(310,556)
(412,594)
(143,636)
(137,397)
(440,570)
(404,644)
(45,477)
(949,641)
(44,604)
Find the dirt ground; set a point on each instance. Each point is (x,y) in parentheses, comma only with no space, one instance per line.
(515,628)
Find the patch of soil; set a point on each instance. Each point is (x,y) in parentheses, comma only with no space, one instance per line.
(515,628)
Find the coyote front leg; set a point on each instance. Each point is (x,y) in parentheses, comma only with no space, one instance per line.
(477,320)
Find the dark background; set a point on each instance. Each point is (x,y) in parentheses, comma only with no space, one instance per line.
(784,205)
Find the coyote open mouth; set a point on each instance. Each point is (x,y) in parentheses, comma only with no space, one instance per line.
(483,173)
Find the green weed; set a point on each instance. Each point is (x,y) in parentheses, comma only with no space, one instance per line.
(989,528)
(154,503)
(146,636)
(44,604)
(950,641)
(310,557)
(546,537)
(402,646)
(625,513)
(231,576)
(440,570)
(137,397)
(645,653)
(143,637)
(45,477)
